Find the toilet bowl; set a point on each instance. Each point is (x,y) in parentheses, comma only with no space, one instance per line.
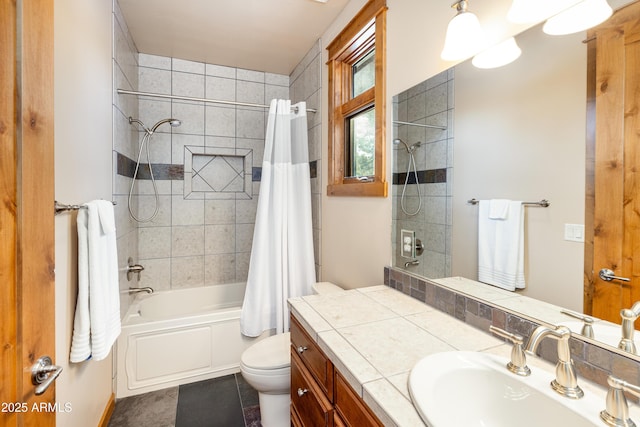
(266,366)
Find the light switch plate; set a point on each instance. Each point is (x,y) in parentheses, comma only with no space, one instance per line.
(574,232)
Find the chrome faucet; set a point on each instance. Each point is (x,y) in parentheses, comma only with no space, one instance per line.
(629,316)
(133,269)
(566,381)
(617,412)
(146,289)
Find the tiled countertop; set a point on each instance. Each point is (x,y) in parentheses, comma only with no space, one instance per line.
(374,336)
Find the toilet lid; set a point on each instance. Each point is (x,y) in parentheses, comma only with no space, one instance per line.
(269,353)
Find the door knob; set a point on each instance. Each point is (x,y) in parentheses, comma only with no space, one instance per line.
(43,374)
(608,275)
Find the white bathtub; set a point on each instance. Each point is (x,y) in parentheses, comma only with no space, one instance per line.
(176,337)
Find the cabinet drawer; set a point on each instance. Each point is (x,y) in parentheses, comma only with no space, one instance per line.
(351,407)
(312,408)
(314,359)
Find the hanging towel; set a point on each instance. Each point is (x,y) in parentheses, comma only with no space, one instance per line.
(282,263)
(97,319)
(498,208)
(501,246)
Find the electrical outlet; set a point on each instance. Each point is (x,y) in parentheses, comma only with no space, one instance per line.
(408,243)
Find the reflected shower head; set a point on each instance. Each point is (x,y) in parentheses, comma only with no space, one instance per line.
(409,148)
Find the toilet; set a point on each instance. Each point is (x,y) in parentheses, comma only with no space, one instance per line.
(266,366)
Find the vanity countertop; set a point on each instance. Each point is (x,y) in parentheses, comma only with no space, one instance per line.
(375,335)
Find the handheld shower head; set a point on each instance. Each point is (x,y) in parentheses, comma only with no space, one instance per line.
(172,122)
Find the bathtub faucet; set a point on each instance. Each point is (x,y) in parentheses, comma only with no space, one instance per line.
(146,289)
(133,269)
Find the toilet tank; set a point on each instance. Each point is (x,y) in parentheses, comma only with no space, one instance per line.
(326,288)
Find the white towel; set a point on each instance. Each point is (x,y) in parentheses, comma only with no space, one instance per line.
(501,247)
(97,319)
(498,208)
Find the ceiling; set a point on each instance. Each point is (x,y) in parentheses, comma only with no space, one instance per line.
(264,35)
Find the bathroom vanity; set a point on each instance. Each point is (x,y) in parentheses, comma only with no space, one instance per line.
(320,396)
(352,354)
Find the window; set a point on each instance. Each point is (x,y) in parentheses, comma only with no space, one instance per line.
(357,105)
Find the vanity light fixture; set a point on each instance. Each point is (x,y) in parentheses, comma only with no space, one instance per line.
(464,34)
(582,16)
(535,11)
(499,55)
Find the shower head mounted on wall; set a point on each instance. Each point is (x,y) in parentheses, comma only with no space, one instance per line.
(172,122)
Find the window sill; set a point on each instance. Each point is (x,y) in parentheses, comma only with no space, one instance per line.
(359,189)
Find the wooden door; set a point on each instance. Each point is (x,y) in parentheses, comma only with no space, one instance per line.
(27,322)
(616,185)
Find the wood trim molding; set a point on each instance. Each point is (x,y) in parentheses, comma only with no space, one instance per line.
(367,28)
(108,411)
(8,209)
(357,24)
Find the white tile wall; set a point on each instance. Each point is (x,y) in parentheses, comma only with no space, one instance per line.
(205,241)
(305,84)
(125,76)
(429,102)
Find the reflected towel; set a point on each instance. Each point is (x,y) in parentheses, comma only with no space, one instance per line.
(501,247)
(97,319)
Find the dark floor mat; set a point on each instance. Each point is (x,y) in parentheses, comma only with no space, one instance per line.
(210,403)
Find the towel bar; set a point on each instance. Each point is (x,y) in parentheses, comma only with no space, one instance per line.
(61,207)
(542,203)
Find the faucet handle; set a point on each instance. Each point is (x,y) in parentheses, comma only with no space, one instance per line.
(617,411)
(518,363)
(587,326)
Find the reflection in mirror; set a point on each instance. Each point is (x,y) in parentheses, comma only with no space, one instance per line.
(516,132)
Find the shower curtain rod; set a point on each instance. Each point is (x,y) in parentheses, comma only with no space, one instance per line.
(213,101)
(397,122)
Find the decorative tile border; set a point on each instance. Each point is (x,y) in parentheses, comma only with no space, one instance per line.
(592,362)
(431,176)
(161,171)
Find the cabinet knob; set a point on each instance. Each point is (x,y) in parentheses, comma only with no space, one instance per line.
(302,349)
(302,392)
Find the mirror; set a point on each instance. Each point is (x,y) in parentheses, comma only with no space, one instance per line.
(516,132)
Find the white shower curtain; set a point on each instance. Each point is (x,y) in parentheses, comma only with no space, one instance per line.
(282,263)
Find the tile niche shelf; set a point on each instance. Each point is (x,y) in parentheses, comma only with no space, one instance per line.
(217,173)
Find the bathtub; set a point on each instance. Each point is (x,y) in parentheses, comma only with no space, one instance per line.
(180,336)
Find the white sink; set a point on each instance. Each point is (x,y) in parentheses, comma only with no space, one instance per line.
(467,389)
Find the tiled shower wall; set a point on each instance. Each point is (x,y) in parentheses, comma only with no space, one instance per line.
(203,231)
(207,171)
(125,141)
(306,86)
(430,102)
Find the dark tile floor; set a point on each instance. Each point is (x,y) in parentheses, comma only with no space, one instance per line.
(220,402)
